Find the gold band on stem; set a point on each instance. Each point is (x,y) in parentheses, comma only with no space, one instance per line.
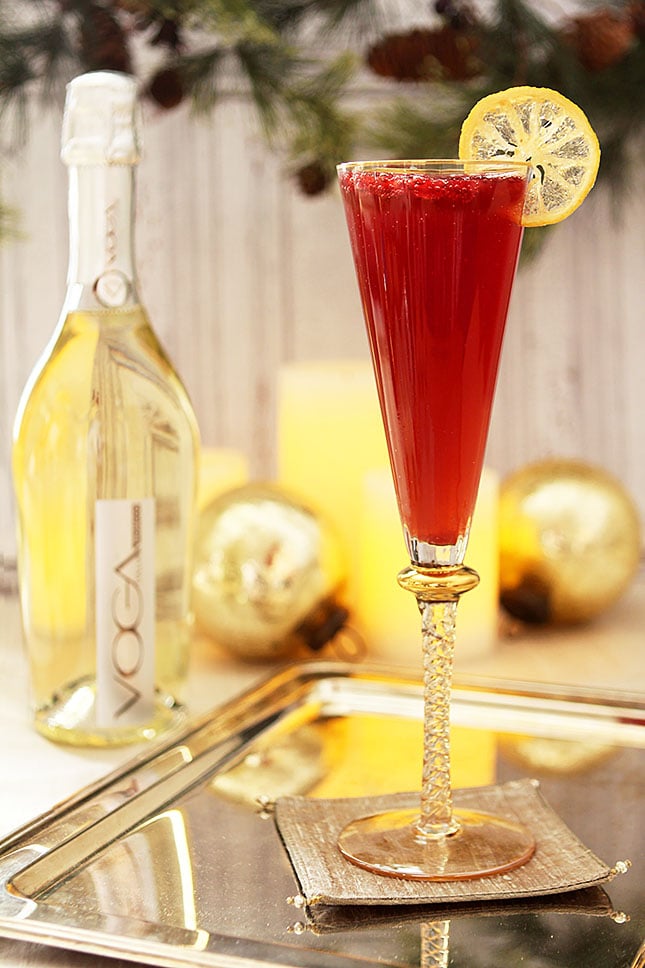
(442,583)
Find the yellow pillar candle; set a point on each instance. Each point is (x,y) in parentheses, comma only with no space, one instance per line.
(220,470)
(386,614)
(329,434)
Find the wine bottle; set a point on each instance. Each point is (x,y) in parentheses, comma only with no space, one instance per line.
(104,464)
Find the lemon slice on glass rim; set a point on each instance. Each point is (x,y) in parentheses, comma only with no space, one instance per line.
(544,128)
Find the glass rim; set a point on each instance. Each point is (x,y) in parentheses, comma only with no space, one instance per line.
(420,165)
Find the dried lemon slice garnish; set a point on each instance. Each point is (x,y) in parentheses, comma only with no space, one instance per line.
(544,128)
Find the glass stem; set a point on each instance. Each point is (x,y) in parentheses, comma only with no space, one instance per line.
(437,591)
(438,629)
(435,944)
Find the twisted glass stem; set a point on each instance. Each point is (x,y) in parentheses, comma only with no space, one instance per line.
(437,591)
(438,630)
(435,938)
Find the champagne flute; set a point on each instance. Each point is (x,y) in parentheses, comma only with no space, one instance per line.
(435,247)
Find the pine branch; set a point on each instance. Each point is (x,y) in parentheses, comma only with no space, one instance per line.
(29,54)
(236,22)
(318,128)
(9,224)
(426,127)
(282,16)
(284,54)
(518,42)
(268,69)
(200,74)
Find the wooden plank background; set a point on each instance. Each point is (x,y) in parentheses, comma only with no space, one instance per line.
(240,273)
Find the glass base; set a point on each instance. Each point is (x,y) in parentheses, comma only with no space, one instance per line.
(391,844)
(70,718)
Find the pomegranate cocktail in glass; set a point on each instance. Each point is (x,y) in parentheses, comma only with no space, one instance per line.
(435,246)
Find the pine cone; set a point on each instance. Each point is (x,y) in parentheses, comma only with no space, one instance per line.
(313,178)
(637,14)
(457,13)
(600,39)
(166,88)
(426,55)
(103,42)
(167,34)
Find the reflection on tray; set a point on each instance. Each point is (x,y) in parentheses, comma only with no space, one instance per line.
(434,921)
(169,860)
(591,901)
(148,875)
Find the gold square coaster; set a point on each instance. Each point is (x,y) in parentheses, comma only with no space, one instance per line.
(309,829)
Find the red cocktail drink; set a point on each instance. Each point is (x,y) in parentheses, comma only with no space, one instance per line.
(435,250)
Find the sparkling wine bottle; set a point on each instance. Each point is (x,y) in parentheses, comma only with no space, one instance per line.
(104,464)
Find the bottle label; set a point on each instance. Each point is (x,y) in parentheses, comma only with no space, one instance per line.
(125,612)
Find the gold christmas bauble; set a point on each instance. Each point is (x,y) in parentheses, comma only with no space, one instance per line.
(266,572)
(570,541)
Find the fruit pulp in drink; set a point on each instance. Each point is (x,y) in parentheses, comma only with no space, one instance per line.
(435,256)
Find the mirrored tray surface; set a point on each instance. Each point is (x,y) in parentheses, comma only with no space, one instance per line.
(174,859)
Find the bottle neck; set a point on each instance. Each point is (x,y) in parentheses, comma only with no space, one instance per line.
(101,272)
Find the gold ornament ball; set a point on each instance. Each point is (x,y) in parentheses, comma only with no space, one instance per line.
(264,563)
(570,541)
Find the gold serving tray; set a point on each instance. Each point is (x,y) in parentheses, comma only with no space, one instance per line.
(175,860)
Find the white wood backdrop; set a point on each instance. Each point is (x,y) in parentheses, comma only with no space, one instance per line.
(240,273)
